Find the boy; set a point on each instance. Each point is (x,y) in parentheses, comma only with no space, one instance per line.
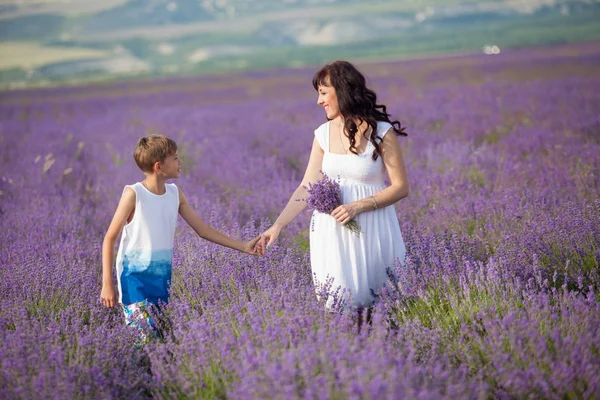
(146,216)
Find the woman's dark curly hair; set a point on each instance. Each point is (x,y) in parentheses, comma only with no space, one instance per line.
(356,102)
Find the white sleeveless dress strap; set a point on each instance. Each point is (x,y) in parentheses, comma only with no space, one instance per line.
(322,135)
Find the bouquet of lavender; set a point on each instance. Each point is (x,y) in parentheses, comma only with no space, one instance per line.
(325,196)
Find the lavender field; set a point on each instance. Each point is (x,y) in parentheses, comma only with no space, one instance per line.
(499,295)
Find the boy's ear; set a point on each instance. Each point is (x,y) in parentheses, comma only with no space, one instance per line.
(156,167)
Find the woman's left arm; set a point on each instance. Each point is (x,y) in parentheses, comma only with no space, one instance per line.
(391,155)
(393,160)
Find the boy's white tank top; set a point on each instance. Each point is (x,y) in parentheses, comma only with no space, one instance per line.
(144,258)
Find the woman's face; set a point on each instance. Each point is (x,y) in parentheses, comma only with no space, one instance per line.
(328,99)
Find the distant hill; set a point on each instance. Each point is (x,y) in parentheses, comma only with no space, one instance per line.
(53,41)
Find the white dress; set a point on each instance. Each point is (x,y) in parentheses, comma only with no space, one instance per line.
(357,263)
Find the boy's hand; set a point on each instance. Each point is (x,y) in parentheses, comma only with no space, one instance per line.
(250,246)
(108,296)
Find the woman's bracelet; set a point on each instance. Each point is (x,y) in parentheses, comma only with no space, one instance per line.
(374,203)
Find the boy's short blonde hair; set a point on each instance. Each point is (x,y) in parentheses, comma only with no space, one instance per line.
(153,149)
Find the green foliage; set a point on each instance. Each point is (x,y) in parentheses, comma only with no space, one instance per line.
(447,307)
(449,35)
(117,159)
(49,304)
(211,384)
(215,381)
(475,176)
(472,226)
(12,74)
(139,47)
(31,27)
(437,125)
(580,261)
(507,33)
(302,240)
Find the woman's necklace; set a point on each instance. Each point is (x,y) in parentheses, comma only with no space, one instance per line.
(340,130)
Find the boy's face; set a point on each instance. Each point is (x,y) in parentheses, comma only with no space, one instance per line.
(171,167)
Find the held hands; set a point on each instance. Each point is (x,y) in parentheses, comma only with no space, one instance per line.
(108,296)
(343,214)
(267,238)
(346,212)
(250,246)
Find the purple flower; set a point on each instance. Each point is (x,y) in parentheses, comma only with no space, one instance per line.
(325,196)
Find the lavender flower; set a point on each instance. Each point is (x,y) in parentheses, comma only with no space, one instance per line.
(325,196)
(499,296)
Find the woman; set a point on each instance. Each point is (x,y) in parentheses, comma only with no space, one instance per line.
(357,146)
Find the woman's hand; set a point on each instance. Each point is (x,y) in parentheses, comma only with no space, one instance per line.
(346,212)
(267,238)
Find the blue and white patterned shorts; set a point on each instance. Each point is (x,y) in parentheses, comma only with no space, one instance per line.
(138,315)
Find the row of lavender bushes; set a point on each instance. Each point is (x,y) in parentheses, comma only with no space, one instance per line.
(498,297)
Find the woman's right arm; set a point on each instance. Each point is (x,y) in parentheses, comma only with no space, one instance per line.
(296,204)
